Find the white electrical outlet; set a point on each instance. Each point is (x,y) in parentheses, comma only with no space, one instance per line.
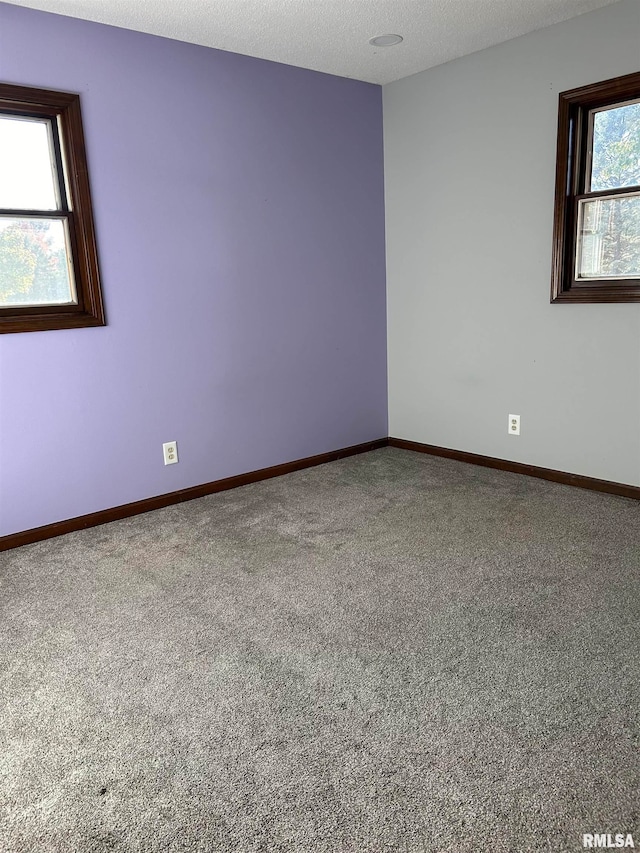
(514,424)
(170,452)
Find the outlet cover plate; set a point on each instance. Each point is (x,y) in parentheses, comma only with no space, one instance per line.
(170,452)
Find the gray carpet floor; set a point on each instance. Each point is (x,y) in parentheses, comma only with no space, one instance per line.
(392,652)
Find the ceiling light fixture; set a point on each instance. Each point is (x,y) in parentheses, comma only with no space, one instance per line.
(386,41)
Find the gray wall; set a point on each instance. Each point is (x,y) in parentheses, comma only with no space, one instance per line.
(469,171)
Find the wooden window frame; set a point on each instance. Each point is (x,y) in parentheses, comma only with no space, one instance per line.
(571,172)
(63,110)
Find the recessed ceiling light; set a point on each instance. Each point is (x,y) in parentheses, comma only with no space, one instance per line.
(385,41)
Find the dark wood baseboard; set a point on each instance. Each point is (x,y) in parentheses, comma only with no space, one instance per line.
(48,531)
(93,519)
(521,468)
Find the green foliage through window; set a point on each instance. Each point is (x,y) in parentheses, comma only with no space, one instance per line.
(616,148)
(33,269)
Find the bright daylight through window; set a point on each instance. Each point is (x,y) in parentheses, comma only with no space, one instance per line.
(596,251)
(48,261)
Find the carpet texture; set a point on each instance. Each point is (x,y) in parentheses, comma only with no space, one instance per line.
(392,652)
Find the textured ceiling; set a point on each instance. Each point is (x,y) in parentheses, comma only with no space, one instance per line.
(332,35)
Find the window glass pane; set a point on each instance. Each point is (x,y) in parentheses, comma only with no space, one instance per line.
(34,269)
(609,237)
(27,171)
(616,148)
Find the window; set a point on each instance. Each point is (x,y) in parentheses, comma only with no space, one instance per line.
(596,251)
(48,262)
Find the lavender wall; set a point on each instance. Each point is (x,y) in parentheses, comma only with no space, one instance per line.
(240,224)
